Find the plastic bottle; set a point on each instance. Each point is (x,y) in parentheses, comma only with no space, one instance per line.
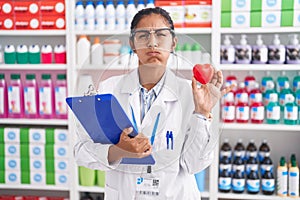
(296,82)
(224,180)
(293,179)
(263,149)
(46,54)
(242,111)
(257,109)
(83,51)
(270,91)
(239,149)
(282,80)
(259,52)
(243,51)
(293,50)
(253,182)
(120,16)
(241,94)
(110,15)
(255,94)
(79,16)
(276,52)
(1,55)
(227,51)
(34,54)
(196,53)
(130,12)
(150,4)
(97,53)
(283,95)
(31,97)
(238,163)
(46,97)
(100,16)
(225,149)
(273,109)
(268,182)
(265,81)
(9,54)
(267,162)
(290,110)
(22,54)
(251,149)
(60,95)
(15,97)
(232,80)
(225,163)
(3,97)
(282,178)
(251,164)
(140,5)
(249,81)
(238,182)
(89,16)
(60,55)
(228,108)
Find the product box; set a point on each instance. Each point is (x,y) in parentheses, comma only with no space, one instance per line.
(2,164)
(7,23)
(12,177)
(12,164)
(61,136)
(37,178)
(53,22)
(11,135)
(11,150)
(37,165)
(240,19)
(235,5)
(26,8)
(62,179)
(271,5)
(197,13)
(37,136)
(61,151)
(287,18)
(61,165)
(36,151)
(271,18)
(6,8)
(27,23)
(52,7)
(1,135)
(296,21)
(2,149)
(175,9)
(2,176)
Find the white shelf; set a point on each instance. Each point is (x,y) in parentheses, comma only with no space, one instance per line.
(193,30)
(260,30)
(94,189)
(205,194)
(33,32)
(252,196)
(33,66)
(259,67)
(55,122)
(261,127)
(34,187)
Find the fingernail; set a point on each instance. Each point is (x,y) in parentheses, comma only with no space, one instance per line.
(130,129)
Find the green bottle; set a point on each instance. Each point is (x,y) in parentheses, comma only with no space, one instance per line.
(290,110)
(273,110)
(282,95)
(270,90)
(296,82)
(281,81)
(34,54)
(297,100)
(9,54)
(22,54)
(265,81)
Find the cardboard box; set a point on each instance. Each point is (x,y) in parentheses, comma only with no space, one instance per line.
(287,18)
(12,135)
(197,14)
(271,5)
(175,9)
(61,165)
(61,136)
(52,7)
(241,5)
(27,23)
(6,8)
(53,22)
(12,164)
(36,151)
(12,177)
(296,18)
(12,150)
(37,165)
(37,178)
(62,179)
(37,135)
(240,19)
(26,8)
(271,18)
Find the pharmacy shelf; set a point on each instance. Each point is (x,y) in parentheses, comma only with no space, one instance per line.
(93,189)
(260,127)
(254,197)
(260,30)
(33,32)
(259,67)
(205,194)
(33,66)
(33,187)
(193,30)
(52,122)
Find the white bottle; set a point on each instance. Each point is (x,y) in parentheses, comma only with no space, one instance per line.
(259,52)
(150,4)
(89,16)
(276,52)
(120,16)
(293,50)
(282,178)
(79,16)
(293,180)
(110,15)
(227,51)
(83,51)
(141,5)
(243,51)
(100,16)
(130,12)
(96,53)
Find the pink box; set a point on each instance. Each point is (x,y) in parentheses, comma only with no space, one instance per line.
(52,7)
(27,23)
(26,8)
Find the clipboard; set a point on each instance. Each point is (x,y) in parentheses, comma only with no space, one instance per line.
(104,119)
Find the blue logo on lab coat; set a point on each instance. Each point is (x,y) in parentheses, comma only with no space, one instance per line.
(139,180)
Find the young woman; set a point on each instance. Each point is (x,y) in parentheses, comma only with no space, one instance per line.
(172,117)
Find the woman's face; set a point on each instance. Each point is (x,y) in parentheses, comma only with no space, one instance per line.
(153,40)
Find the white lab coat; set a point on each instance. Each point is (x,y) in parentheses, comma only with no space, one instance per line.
(174,168)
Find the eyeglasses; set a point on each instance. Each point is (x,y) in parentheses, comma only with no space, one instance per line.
(161,35)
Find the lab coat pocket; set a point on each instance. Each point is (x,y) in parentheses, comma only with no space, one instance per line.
(110,193)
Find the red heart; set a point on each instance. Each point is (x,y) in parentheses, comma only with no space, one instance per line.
(203,73)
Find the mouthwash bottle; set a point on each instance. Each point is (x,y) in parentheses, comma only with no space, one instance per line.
(238,164)
(241,94)
(283,95)
(249,81)
(268,182)
(282,178)
(251,164)
(296,82)
(273,109)
(242,111)
(267,162)
(290,110)
(238,182)
(263,149)
(251,150)
(270,91)
(226,149)
(265,81)
(3,97)
(228,107)
(46,99)
(239,149)
(282,80)
(253,182)
(224,180)
(232,80)
(225,163)
(15,97)
(30,97)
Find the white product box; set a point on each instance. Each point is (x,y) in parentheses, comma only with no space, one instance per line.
(62,179)
(37,135)
(296,5)
(12,177)
(37,178)
(11,135)
(240,19)
(241,5)
(297,17)
(12,150)
(61,136)
(37,165)
(201,14)
(61,151)
(270,18)
(61,165)
(36,151)
(12,164)
(271,5)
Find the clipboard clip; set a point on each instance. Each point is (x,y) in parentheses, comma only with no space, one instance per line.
(91,91)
